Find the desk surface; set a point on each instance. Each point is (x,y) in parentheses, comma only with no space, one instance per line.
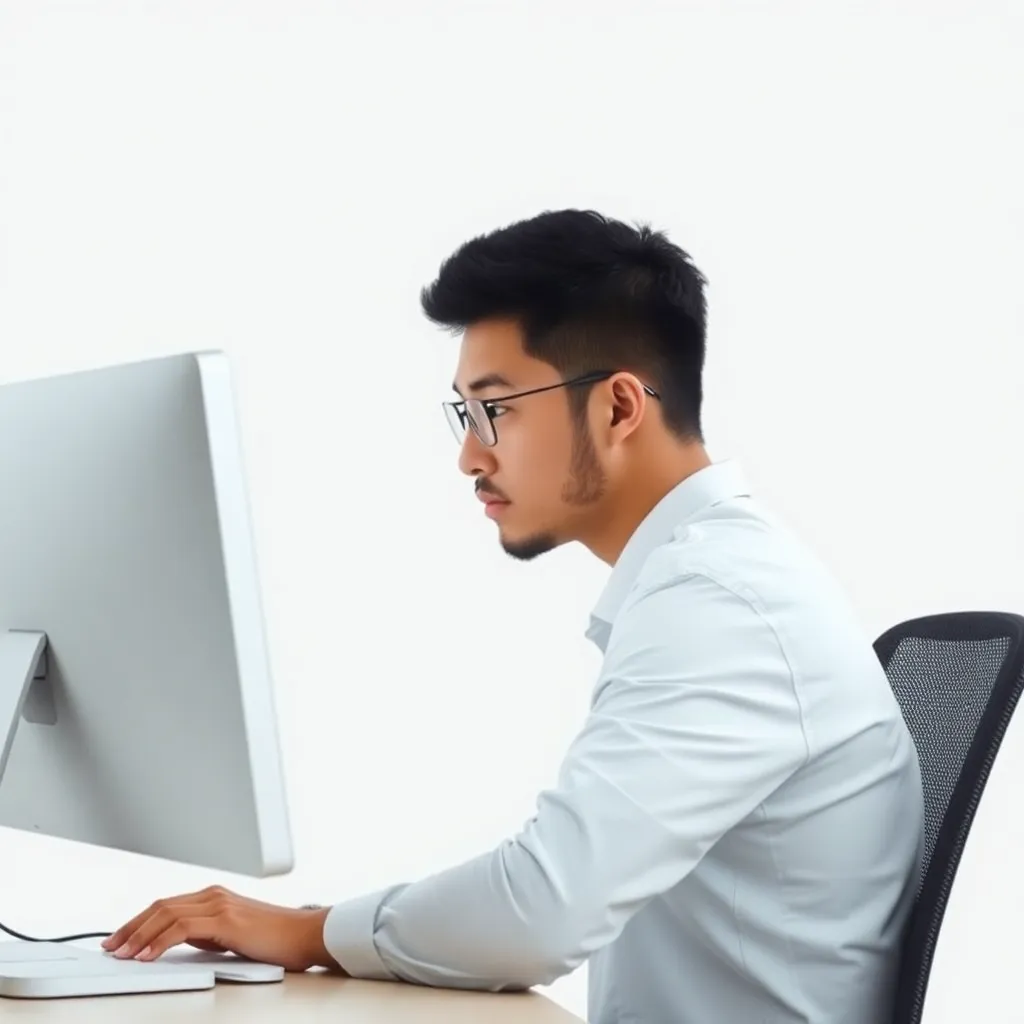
(311,998)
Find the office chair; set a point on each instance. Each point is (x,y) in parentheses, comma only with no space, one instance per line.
(957,677)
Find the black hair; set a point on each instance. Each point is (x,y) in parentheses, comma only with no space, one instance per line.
(589,293)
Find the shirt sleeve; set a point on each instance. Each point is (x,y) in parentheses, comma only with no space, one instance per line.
(694,722)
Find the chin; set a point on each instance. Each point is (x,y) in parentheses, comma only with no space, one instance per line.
(524,549)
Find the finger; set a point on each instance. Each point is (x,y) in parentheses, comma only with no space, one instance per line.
(182,930)
(156,922)
(117,939)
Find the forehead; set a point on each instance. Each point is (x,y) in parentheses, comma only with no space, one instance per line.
(493,349)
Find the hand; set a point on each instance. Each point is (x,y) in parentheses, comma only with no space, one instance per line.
(217,920)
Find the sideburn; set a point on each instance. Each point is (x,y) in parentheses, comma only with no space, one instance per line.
(586,483)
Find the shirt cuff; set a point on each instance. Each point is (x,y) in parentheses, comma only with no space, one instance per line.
(348,936)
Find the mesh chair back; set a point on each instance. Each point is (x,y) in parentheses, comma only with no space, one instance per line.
(957,677)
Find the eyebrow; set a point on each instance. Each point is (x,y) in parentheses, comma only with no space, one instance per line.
(489,380)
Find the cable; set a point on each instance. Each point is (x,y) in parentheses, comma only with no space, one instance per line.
(63,938)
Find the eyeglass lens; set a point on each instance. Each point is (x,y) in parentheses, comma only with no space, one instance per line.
(473,414)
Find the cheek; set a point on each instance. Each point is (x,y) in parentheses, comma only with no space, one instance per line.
(534,464)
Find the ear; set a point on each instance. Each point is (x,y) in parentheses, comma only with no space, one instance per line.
(622,404)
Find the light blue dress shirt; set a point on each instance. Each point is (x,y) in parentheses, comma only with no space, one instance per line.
(736,832)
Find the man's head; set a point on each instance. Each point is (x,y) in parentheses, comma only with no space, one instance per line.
(605,325)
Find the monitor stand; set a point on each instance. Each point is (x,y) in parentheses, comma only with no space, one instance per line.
(22,660)
(46,970)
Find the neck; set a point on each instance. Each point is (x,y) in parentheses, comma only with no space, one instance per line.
(648,482)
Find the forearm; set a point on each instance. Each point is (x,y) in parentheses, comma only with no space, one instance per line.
(526,913)
(494,923)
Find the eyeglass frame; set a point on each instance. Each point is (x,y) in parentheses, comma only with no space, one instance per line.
(460,407)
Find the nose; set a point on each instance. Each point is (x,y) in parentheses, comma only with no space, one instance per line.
(476,458)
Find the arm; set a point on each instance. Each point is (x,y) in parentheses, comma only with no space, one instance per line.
(694,723)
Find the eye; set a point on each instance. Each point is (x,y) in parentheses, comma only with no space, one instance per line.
(495,409)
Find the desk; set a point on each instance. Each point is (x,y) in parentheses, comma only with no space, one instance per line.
(312,998)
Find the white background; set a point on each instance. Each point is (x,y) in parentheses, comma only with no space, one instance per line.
(280,179)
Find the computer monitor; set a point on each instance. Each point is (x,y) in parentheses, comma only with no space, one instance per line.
(136,702)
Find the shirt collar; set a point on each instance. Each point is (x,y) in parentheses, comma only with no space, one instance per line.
(708,486)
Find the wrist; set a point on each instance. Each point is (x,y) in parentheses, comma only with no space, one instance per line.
(312,938)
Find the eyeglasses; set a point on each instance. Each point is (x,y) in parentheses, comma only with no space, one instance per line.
(479,414)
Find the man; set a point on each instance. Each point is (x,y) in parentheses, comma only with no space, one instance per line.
(735,833)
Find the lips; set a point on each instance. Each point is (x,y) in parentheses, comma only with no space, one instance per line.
(493,505)
(490,499)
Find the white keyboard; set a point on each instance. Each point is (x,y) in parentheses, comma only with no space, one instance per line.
(48,970)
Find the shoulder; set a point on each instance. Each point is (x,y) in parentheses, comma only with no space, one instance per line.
(736,551)
(717,589)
